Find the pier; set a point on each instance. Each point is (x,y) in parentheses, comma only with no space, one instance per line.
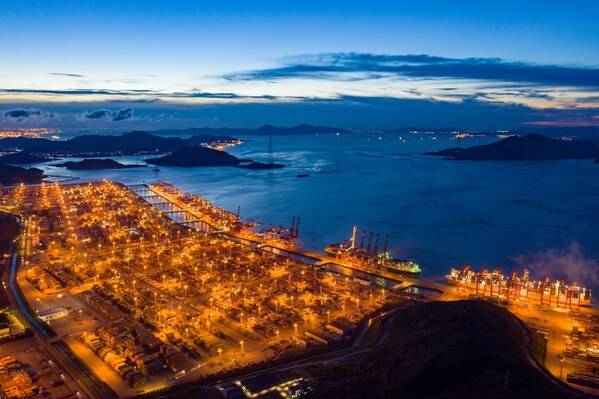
(187,216)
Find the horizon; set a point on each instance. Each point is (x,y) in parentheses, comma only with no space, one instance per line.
(120,65)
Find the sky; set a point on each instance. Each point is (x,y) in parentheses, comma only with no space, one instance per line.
(158,64)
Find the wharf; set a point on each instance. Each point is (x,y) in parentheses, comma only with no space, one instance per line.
(191,217)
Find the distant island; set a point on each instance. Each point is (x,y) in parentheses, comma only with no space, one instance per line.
(15,175)
(92,164)
(263,130)
(22,157)
(260,166)
(529,147)
(195,156)
(137,142)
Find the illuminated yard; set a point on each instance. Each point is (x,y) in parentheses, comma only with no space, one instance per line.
(155,300)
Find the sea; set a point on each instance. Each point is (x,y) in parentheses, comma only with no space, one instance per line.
(541,215)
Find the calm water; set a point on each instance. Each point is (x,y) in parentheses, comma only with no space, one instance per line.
(440,213)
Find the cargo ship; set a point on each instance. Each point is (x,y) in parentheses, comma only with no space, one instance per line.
(369,257)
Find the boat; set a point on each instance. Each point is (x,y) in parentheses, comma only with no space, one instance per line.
(156,169)
(369,257)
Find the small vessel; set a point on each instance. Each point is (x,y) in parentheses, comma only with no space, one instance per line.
(156,169)
(369,257)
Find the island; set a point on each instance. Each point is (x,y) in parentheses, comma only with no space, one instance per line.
(92,164)
(260,166)
(529,147)
(14,175)
(93,145)
(22,157)
(195,156)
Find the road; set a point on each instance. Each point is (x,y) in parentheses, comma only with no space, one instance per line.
(88,383)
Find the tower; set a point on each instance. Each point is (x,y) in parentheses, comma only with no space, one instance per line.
(270,156)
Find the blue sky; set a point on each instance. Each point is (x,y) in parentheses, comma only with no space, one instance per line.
(241,63)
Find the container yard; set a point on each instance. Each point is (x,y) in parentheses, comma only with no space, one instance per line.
(157,301)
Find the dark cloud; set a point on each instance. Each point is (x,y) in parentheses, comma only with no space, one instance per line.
(115,116)
(332,65)
(122,114)
(70,75)
(21,114)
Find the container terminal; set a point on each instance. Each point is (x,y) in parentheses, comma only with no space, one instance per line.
(134,289)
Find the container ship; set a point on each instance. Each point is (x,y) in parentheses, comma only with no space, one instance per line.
(369,257)
(519,287)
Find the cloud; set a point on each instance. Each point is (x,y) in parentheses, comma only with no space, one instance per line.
(22,114)
(229,96)
(371,66)
(79,92)
(155,95)
(105,114)
(70,75)
(569,263)
(122,114)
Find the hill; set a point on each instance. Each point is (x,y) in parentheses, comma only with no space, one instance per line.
(529,147)
(22,157)
(465,349)
(90,164)
(102,145)
(16,175)
(195,156)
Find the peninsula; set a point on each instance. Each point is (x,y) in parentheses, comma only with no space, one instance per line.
(15,175)
(529,147)
(22,157)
